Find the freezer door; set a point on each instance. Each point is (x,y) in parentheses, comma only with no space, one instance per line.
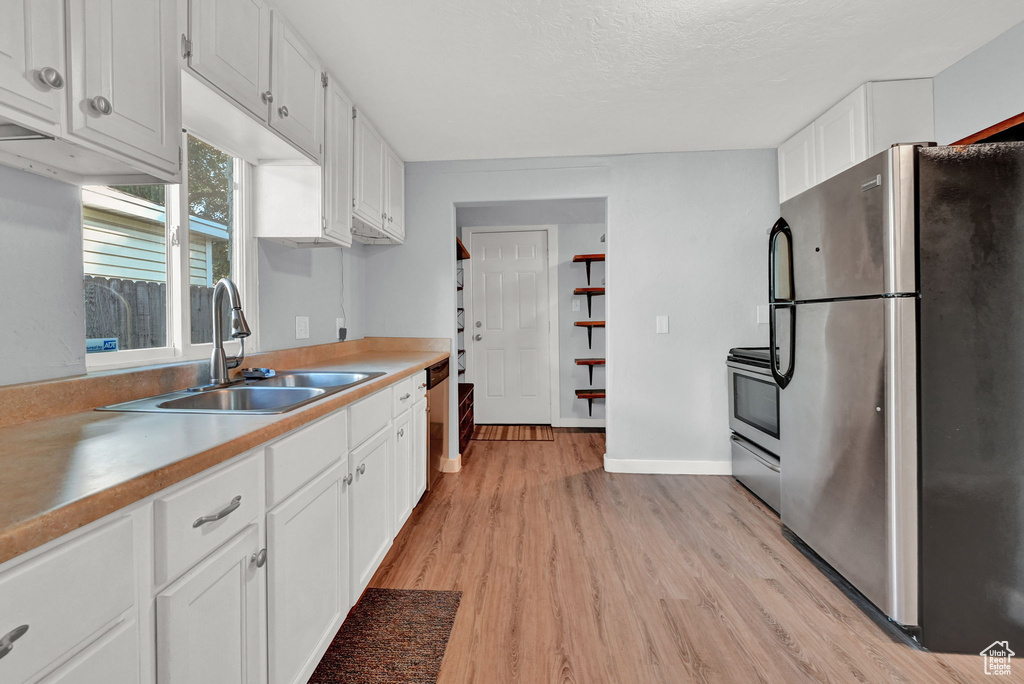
(842,466)
(853,235)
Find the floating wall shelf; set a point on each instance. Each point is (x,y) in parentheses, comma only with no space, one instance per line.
(590,395)
(587,259)
(590,292)
(590,363)
(590,325)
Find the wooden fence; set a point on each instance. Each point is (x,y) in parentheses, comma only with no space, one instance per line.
(135,312)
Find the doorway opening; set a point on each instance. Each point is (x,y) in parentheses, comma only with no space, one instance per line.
(531,314)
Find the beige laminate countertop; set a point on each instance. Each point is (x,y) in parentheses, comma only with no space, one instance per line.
(58,474)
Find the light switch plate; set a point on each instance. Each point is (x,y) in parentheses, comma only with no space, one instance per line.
(661,325)
(575,304)
(302,327)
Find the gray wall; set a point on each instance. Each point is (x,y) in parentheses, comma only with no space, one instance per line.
(982,89)
(308,282)
(685,239)
(42,312)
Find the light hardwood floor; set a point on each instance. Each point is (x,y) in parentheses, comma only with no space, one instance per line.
(572,574)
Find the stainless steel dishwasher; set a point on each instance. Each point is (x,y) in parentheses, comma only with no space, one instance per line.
(437,420)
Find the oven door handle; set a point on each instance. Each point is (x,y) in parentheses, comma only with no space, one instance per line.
(766,461)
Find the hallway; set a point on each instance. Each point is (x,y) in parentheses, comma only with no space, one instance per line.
(571,574)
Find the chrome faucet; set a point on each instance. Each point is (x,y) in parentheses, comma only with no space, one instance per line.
(219,363)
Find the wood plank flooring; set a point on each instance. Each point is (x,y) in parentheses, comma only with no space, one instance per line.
(572,574)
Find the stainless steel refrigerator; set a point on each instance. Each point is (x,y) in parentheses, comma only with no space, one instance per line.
(897,335)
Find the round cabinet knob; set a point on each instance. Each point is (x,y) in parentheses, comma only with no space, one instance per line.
(283,111)
(401,433)
(478,337)
(361,469)
(348,479)
(51,78)
(260,559)
(101,105)
(390,219)
(267,97)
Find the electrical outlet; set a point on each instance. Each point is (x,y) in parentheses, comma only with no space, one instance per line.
(661,325)
(339,322)
(575,304)
(302,327)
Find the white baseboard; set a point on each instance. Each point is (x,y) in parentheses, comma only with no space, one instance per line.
(666,467)
(580,423)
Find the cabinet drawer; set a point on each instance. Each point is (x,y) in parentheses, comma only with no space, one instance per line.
(419,386)
(296,459)
(757,470)
(404,399)
(65,596)
(368,416)
(114,659)
(180,536)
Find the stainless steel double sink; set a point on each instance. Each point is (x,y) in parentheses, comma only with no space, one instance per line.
(279,393)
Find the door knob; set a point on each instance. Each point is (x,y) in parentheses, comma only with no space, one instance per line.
(51,78)
(478,337)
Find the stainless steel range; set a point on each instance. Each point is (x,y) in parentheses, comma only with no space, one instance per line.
(754,421)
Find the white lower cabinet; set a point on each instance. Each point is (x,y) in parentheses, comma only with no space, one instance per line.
(420,440)
(370,528)
(307,574)
(208,622)
(114,659)
(401,482)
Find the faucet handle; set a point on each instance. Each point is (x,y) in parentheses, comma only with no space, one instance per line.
(258,373)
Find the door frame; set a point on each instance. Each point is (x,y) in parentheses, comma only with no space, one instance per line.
(554,409)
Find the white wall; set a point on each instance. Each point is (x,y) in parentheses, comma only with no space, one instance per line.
(308,282)
(982,89)
(42,332)
(685,238)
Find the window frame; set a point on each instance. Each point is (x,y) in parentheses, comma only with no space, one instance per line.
(244,256)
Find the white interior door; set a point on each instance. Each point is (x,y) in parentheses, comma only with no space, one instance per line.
(508,327)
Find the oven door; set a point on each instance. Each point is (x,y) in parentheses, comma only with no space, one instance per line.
(754,405)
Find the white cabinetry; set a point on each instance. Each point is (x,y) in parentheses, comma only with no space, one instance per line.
(395,206)
(864,123)
(114,659)
(124,90)
(208,622)
(230,48)
(338,164)
(401,482)
(308,574)
(420,439)
(32,63)
(370,532)
(296,81)
(378,206)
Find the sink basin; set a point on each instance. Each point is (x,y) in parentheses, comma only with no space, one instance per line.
(327,380)
(279,393)
(248,399)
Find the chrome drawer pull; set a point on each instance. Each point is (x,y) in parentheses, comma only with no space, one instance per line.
(7,640)
(223,513)
(404,397)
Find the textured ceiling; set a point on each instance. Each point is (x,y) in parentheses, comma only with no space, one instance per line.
(474,79)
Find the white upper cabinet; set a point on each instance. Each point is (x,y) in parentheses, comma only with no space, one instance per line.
(32,63)
(395,224)
(337,165)
(864,123)
(368,185)
(230,48)
(297,85)
(125,80)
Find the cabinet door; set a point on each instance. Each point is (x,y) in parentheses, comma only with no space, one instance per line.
(370,524)
(338,165)
(114,659)
(297,112)
(841,135)
(797,164)
(307,574)
(401,480)
(231,49)
(420,439)
(208,622)
(396,196)
(125,80)
(32,71)
(369,163)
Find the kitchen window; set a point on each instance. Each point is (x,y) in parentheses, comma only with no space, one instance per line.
(149,275)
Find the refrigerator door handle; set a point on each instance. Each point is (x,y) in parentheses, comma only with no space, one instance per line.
(782,378)
(783,272)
